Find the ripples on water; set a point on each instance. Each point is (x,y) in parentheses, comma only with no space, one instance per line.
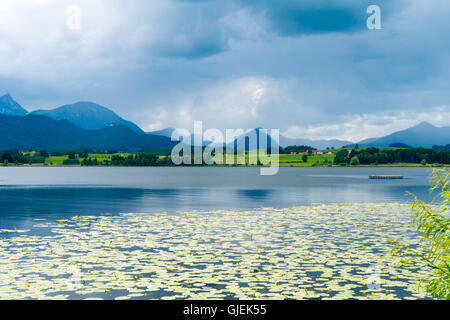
(64,192)
(31,198)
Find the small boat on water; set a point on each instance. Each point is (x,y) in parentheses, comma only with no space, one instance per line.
(387,177)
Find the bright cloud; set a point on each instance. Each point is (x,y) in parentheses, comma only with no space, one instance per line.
(359,127)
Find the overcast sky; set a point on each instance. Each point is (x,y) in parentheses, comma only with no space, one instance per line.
(310,68)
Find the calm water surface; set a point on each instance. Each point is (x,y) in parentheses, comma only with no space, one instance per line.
(53,193)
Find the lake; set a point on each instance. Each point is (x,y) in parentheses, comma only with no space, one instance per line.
(206,233)
(64,192)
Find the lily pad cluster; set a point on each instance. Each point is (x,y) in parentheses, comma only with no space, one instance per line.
(320,251)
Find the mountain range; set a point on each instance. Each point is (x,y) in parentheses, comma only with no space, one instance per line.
(167,132)
(284,141)
(81,125)
(422,135)
(9,107)
(90,125)
(39,132)
(318,144)
(87,115)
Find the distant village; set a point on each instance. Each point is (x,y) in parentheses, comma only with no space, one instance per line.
(316,152)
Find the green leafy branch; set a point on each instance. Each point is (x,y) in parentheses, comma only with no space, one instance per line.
(432,221)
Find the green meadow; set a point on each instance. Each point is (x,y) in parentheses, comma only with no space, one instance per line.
(284,159)
(295,160)
(390,157)
(58,160)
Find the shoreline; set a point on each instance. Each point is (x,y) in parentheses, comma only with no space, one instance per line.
(405,165)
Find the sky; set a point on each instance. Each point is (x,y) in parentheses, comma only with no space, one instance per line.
(311,68)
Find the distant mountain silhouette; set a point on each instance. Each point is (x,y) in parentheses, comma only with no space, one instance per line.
(442,148)
(87,115)
(318,144)
(252,140)
(422,135)
(9,107)
(40,132)
(89,125)
(399,145)
(285,142)
(167,132)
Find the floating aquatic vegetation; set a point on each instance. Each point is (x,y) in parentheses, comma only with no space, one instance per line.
(320,251)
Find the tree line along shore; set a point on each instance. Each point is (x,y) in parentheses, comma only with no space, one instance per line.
(292,156)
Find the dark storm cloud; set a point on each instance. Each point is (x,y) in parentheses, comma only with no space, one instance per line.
(249,63)
(295,17)
(194,30)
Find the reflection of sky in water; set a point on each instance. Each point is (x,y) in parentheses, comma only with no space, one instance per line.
(63,192)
